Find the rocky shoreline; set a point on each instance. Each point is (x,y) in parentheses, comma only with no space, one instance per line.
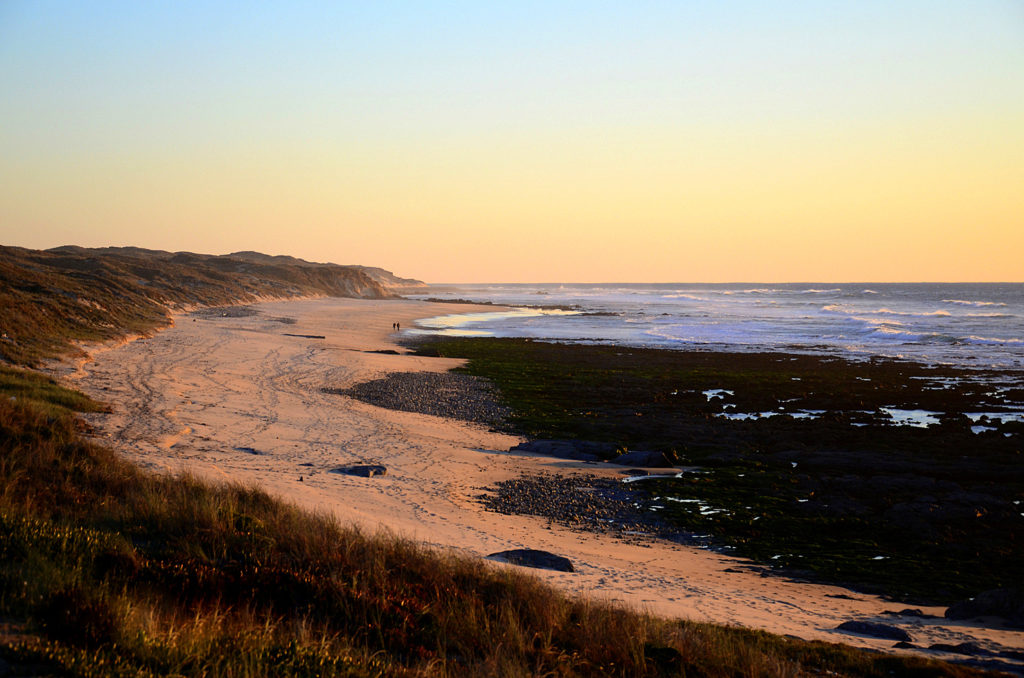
(804,466)
(456,396)
(586,502)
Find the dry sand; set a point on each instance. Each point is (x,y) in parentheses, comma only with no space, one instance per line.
(234,399)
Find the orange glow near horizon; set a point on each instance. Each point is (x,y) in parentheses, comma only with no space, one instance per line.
(652,170)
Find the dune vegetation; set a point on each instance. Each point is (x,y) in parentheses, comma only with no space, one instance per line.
(51,300)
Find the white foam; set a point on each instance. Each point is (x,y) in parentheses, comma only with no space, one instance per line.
(838,308)
(964,302)
(916,322)
(692,297)
(995,341)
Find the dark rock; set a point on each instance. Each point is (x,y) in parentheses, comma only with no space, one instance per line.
(909,612)
(645,458)
(904,645)
(562,449)
(875,630)
(1005,603)
(969,649)
(635,472)
(364,470)
(248,450)
(534,558)
(580,450)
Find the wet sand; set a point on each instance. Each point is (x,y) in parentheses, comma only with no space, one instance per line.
(240,398)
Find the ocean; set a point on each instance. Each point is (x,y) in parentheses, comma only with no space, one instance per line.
(968,325)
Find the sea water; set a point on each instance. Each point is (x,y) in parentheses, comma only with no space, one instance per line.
(964,324)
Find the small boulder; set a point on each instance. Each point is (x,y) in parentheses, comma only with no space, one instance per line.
(1005,603)
(909,612)
(364,470)
(562,449)
(534,558)
(875,630)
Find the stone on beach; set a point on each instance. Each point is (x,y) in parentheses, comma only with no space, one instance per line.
(534,558)
(578,450)
(875,629)
(1005,603)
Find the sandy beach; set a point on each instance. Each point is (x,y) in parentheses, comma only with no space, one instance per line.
(239,398)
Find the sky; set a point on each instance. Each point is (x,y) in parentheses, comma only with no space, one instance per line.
(526,141)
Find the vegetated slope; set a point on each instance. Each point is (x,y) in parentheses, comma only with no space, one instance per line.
(50,299)
(108,571)
(386,278)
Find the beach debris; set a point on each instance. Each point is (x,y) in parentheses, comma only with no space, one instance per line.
(544,560)
(304,336)
(875,629)
(363,470)
(248,450)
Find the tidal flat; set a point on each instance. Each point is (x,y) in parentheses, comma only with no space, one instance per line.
(882,475)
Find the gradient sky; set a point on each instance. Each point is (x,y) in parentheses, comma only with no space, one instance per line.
(562,142)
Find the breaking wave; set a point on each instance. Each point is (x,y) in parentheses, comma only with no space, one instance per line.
(835,308)
(964,302)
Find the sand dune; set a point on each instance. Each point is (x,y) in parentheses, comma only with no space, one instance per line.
(234,399)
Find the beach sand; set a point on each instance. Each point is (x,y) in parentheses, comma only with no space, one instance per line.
(236,399)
